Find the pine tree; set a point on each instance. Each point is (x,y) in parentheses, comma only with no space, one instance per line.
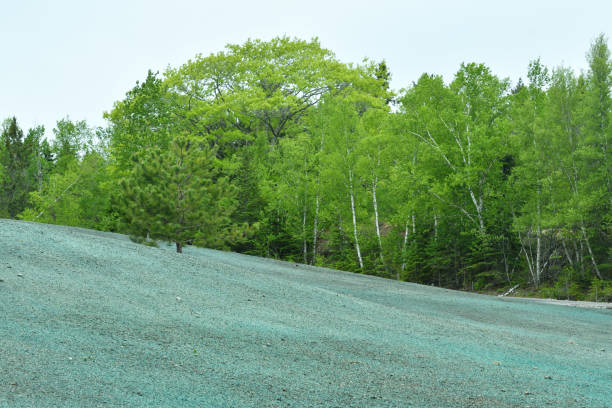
(178,195)
(15,158)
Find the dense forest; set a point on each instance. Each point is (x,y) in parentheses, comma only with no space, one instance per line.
(278,149)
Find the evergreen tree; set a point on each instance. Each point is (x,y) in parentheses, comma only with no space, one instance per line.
(16,154)
(178,195)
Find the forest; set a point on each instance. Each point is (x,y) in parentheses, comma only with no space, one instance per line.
(278,149)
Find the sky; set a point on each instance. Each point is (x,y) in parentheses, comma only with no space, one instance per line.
(76,58)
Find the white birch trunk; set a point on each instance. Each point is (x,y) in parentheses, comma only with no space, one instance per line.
(404,246)
(478,206)
(528,258)
(304,235)
(39,169)
(539,242)
(436,227)
(538,267)
(351,192)
(588,244)
(315,231)
(375,203)
(567,254)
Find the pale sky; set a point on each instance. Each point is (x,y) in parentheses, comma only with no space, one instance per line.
(77,57)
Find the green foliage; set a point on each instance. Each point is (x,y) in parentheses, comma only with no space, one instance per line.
(291,154)
(600,291)
(143,120)
(178,195)
(79,196)
(18,177)
(70,142)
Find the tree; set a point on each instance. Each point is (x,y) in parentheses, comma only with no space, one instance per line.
(464,126)
(42,162)
(598,106)
(79,195)
(70,142)
(531,179)
(16,156)
(144,119)
(376,151)
(261,87)
(178,195)
(339,161)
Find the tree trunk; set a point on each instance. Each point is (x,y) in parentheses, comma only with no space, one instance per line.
(39,170)
(351,192)
(404,245)
(586,241)
(179,247)
(375,203)
(567,254)
(315,231)
(478,205)
(436,227)
(529,258)
(304,235)
(316,214)
(538,269)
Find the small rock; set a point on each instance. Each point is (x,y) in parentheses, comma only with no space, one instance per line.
(497,362)
(548,377)
(527,393)
(178,298)
(20,275)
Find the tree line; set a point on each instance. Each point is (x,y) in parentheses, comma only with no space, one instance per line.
(280,150)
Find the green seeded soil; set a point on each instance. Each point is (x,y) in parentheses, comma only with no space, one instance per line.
(96,320)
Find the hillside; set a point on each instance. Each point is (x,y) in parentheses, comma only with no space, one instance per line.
(92,319)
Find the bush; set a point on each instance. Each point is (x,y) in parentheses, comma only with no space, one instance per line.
(600,291)
(144,241)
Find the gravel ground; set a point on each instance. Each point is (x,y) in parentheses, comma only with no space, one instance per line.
(91,319)
(574,303)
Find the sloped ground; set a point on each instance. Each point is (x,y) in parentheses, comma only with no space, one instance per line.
(91,319)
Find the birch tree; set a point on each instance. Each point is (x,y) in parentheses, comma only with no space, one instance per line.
(376,150)
(340,162)
(532,178)
(464,126)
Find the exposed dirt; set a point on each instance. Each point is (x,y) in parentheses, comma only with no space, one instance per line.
(573,303)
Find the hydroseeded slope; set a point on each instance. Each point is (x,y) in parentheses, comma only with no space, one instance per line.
(96,320)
